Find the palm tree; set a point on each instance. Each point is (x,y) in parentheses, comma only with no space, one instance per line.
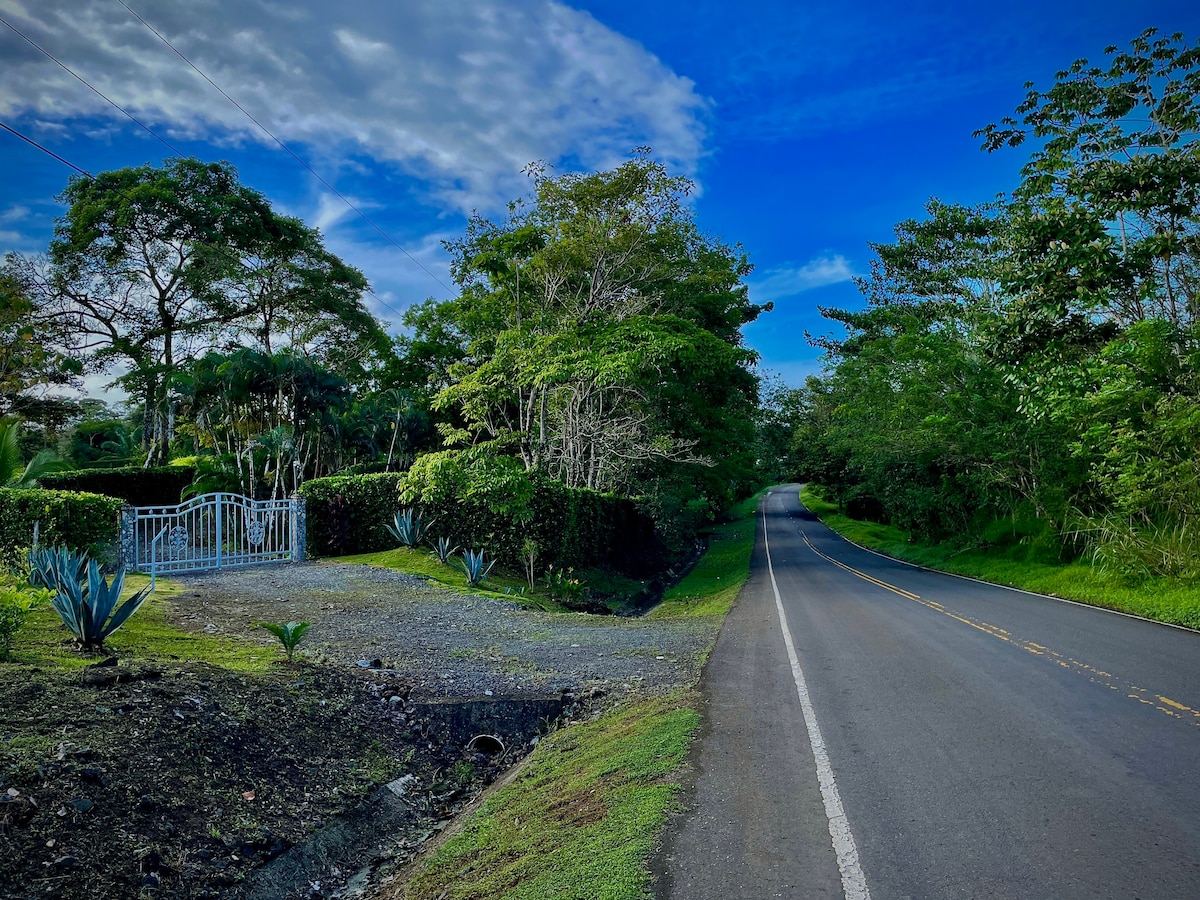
(12,473)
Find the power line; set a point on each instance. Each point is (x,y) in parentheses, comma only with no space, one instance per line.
(31,42)
(86,174)
(285,147)
(48,152)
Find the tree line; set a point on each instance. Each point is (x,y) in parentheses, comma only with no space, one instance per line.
(595,339)
(1027,371)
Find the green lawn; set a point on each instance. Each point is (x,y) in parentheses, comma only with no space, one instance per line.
(1162,599)
(45,642)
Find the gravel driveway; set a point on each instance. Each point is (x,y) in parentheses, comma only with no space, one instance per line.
(448,643)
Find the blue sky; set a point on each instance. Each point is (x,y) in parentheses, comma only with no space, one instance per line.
(810,128)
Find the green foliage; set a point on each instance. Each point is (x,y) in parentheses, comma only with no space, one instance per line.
(474,567)
(289,634)
(563,586)
(408,528)
(350,514)
(77,520)
(443,549)
(91,607)
(135,485)
(16,603)
(15,474)
(50,567)
(586,812)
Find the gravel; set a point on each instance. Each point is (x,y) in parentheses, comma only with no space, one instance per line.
(449,644)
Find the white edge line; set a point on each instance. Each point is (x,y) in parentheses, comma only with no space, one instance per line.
(854,882)
(1007,587)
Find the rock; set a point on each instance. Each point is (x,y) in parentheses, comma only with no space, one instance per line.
(104,663)
(146,803)
(81,804)
(100,677)
(150,879)
(92,776)
(66,862)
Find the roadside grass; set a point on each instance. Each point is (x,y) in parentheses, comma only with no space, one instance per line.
(581,818)
(616,591)
(1161,599)
(713,584)
(422,562)
(44,642)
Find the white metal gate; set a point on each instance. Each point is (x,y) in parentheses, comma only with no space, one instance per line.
(215,531)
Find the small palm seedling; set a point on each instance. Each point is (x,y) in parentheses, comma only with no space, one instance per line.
(474,567)
(409,528)
(289,633)
(443,549)
(90,609)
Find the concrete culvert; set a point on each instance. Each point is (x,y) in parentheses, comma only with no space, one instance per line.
(487,744)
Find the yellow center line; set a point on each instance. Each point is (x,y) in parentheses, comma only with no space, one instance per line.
(1165,705)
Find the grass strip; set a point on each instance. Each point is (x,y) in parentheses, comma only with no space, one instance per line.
(1162,599)
(580,820)
(713,584)
(585,815)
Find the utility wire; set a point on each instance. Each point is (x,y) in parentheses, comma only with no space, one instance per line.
(86,174)
(31,42)
(48,152)
(285,147)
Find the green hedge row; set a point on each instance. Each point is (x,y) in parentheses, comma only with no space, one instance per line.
(77,520)
(133,484)
(349,514)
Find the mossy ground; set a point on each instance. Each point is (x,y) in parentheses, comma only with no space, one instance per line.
(1162,599)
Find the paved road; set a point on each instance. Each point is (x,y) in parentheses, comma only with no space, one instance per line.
(981,742)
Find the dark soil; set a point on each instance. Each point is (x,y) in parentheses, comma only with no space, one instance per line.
(178,781)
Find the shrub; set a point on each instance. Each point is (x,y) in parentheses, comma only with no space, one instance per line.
(133,484)
(350,513)
(15,603)
(66,518)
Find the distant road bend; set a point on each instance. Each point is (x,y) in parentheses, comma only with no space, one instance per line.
(877,730)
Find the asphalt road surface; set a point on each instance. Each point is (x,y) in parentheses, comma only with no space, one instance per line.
(928,736)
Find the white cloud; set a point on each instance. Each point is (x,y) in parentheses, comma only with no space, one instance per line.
(461,93)
(789,280)
(14,214)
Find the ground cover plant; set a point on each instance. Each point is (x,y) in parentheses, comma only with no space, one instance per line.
(1162,599)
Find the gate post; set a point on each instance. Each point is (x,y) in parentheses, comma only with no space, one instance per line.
(299,515)
(128,539)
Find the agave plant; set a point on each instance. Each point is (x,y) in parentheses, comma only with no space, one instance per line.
(90,608)
(409,527)
(289,633)
(474,567)
(443,549)
(50,567)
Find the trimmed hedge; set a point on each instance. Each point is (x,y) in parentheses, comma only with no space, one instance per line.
(349,514)
(69,518)
(133,484)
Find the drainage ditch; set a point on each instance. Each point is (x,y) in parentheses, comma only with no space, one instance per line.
(485,737)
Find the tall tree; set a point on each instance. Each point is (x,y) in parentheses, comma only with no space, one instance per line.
(150,266)
(598,332)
